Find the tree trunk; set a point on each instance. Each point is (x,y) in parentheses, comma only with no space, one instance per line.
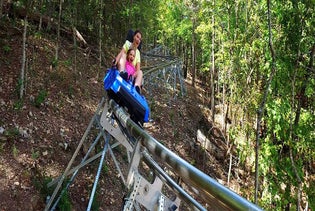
(74,23)
(1,3)
(21,82)
(51,9)
(41,15)
(100,38)
(29,5)
(75,51)
(185,62)
(193,54)
(212,66)
(58,31)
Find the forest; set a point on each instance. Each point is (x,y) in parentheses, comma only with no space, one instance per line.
(255,58)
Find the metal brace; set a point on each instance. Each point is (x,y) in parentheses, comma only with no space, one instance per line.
(161,203)
(130,201)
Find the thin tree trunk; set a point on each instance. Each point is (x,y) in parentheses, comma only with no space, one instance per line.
(58,31)
(22,76)
(1,3)
(193,54)
(74,32)
(212,66)
(41,15)
(100,37)
(23,59)
(50,11)
(75,51)
(185,61)
(263,102)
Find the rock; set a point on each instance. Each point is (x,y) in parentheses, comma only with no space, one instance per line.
(66,145)
(1,130)
(2,103)
(32,98)
(23,133)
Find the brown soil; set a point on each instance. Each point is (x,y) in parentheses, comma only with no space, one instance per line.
(39,134)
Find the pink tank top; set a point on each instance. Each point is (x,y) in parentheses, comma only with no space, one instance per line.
(130,69)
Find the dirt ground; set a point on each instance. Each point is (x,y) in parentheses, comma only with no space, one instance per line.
(39,134)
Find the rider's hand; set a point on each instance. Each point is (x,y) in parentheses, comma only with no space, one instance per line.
(114,62)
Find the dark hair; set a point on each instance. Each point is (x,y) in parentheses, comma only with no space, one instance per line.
(130,49)
(136,32)
(131,34)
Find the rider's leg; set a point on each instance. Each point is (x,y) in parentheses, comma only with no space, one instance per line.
(138,76)
(138,80)
(122,62)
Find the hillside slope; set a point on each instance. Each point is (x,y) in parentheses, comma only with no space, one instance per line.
(39,134)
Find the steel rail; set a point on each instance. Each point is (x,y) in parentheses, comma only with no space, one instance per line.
(148,70)
(168,180)
(213,190)
(106,146)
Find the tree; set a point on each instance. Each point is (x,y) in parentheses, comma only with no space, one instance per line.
(213,63)
(28,5)
(100,35)
(1,5)
(261,108)
(21,82)
(58,31)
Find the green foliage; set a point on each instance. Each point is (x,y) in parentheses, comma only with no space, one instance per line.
(70,91)
(38,35)
(105,169)
(95,203)
(68,62)
(15,151)
(12,133)
(18,104)
(41,183)
(54,63)
(6,48)
(306,136)
(40,98)
(35,154)
(18,87)
(176,23)
(311,194)
(65,203)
